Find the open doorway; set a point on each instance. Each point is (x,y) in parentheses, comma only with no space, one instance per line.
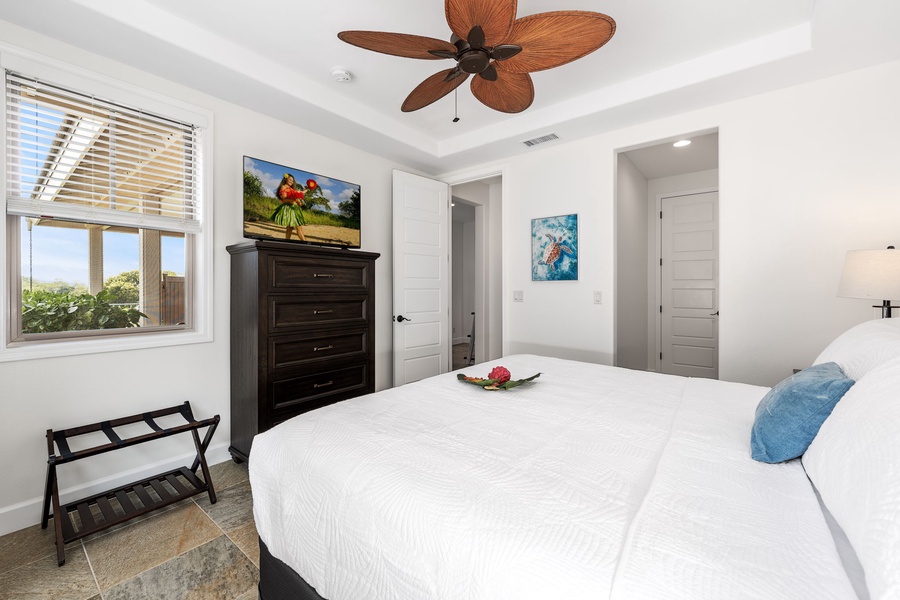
(667,271)
(476,284)
(422,261)
(462,283)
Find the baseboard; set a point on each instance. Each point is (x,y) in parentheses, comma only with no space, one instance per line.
(28,513)
(462,340)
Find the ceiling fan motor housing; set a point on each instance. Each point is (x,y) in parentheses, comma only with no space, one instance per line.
(474,61)
(474,58)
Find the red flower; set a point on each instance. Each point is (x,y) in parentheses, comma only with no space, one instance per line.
(287,193)
(500,374)
(311,184)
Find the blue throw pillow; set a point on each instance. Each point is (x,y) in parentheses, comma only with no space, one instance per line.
(790,415)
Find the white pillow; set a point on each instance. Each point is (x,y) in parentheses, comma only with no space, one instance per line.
(863,347)
(854,462)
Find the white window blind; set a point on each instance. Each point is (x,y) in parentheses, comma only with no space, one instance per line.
(76,157)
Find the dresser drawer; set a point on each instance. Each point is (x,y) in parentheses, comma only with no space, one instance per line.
(294,274)
(302,332)
(287,393)
(290,350)
(289,312)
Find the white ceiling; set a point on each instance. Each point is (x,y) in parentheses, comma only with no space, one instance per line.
(665,160)
(276,57)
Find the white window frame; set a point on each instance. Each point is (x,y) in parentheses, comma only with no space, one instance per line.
(201,297)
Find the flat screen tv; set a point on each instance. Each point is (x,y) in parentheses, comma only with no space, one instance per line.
(290,204)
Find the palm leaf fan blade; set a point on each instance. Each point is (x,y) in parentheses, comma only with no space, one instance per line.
(495,17)
(510,93)
(552,39)
(398,44)
(432,89)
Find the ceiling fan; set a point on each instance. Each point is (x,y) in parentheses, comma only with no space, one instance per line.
(490,43)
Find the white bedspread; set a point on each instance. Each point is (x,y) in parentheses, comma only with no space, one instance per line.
(591,482)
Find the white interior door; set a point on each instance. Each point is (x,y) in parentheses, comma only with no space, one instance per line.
(421,231)
(689,285)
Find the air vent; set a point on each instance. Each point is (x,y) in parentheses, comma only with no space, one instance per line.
(540,140)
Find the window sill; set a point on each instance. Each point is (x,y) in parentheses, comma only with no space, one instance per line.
(51,349)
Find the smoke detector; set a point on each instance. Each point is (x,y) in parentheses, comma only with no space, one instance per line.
(341,75)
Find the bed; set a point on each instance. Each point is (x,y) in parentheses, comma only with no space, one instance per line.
(589,482)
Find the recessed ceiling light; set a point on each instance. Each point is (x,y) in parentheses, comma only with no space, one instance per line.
(682,143)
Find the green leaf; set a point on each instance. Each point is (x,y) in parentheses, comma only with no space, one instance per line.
(49,311)
(511,384)
(491,383)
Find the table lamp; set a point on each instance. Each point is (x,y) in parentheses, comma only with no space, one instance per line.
(872,274)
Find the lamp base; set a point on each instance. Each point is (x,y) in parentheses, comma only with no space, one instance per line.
(885,309)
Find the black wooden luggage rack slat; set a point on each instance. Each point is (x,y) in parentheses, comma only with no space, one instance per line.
(96,513)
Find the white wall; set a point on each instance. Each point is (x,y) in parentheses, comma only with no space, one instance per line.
(468,267)
(493,288)
(65,392)
(632,284)
(463,278)
(805,174)
(456,282)
(559,318)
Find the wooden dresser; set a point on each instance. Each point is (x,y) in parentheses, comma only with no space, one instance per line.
(302,332)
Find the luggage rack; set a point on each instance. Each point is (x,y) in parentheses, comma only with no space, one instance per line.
(89,515)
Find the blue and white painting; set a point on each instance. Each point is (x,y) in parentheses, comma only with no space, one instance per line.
(554,248)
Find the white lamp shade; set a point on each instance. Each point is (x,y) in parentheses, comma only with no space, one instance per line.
(873,274)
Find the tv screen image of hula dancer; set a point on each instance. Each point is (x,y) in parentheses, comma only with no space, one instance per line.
(289,213)
(294,205)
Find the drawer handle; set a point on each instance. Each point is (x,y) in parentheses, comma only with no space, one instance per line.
(327,275)
(320,348)
(322,312)
(321,385)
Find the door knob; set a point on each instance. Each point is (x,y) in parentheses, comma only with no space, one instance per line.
(401,318)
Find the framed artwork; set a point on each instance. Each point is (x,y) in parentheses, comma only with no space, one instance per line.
(554,248)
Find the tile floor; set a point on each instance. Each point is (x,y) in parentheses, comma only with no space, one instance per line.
(192,549)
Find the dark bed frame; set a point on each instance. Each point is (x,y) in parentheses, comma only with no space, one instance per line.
(277,581)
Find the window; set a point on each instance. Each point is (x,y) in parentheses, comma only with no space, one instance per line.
(106,224)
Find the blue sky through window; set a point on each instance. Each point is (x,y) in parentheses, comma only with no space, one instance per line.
(35,144)
(61,253)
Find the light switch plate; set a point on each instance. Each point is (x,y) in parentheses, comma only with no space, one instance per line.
(518,296)
(598,298)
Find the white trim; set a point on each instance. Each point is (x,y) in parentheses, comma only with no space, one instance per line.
(203,253)
(102,216)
